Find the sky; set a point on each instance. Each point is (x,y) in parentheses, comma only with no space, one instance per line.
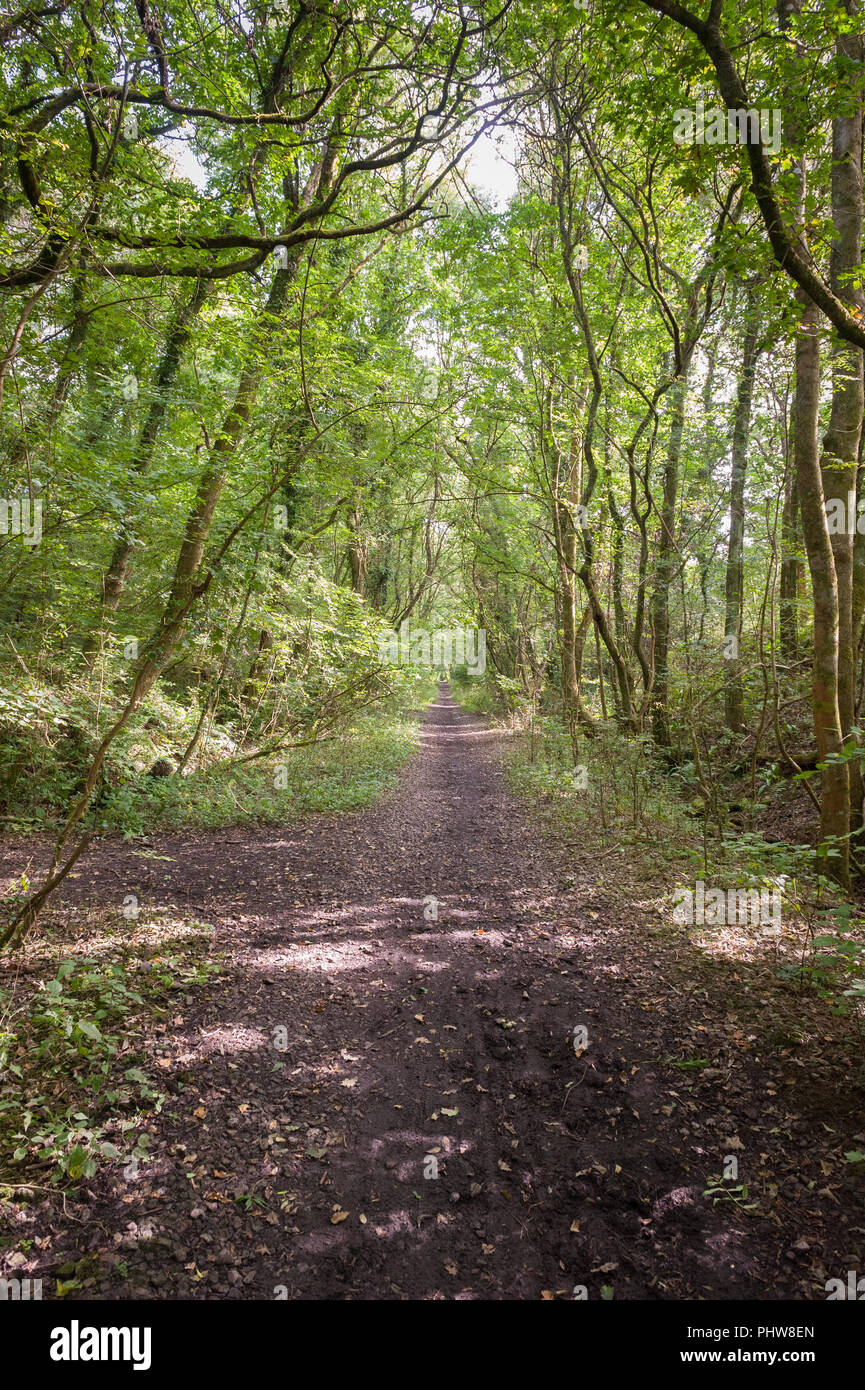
(489,167)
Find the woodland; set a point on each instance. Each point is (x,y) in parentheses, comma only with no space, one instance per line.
(324,322)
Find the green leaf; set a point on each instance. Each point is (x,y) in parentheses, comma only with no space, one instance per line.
(76,1162)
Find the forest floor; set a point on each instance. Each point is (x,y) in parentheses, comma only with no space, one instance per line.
(414,1045)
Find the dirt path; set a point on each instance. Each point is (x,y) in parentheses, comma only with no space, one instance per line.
(415,1046)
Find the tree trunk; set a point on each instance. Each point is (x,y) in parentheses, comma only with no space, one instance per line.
(840,460)
(835,780)
(163,381)
(666,564)
(567,542)
(835,800)
(734,697)
(790,568)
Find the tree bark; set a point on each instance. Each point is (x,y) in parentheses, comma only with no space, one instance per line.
(734,696)
(163,382)
(839,463)
(791,565)
(835,799)
(666,564)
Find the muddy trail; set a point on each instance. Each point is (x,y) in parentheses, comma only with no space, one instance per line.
(383,1097)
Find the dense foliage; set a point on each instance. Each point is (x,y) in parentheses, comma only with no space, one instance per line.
(280,375)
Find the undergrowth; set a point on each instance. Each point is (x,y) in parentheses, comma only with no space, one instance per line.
(76,1082)
(621,795)
(48,742)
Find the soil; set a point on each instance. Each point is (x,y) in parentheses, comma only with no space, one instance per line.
(430,1037)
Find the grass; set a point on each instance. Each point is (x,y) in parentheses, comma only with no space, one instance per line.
(344,773)
(616,794)
(47,746)
(620,798)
